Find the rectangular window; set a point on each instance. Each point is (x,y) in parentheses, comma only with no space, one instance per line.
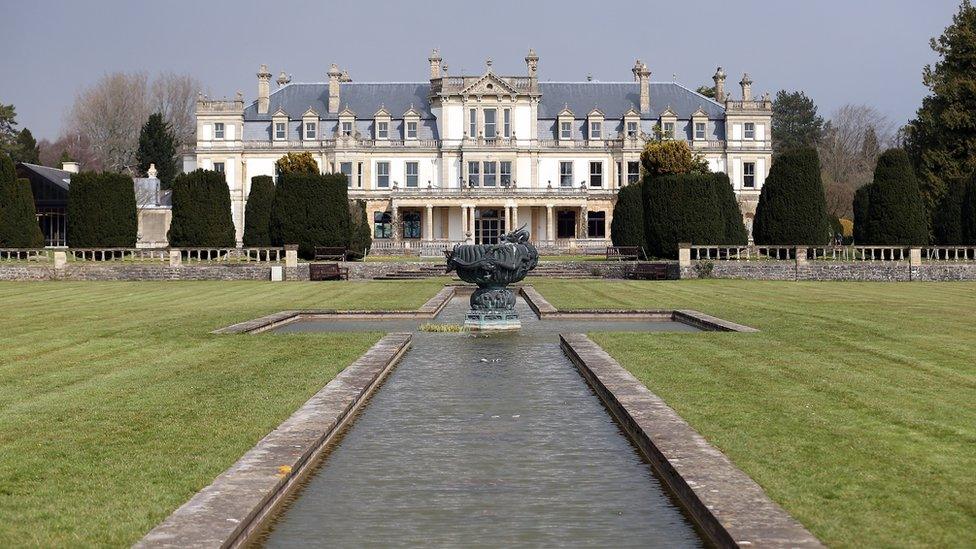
(749,130)
(279,130)
(382,225)
(383,174)
(631,129)
(749,175)
(359,175)
(474,174)
(699,130)
(310,130)
(473,123)
(620,174)
(489,174)
(218,130)
(382,130)
(596,130)
(596,174)
(346,169)
(633,172)
(507,123)
(565,174)
(489,115)
(347,129)
(669,130)
(565,130)
(411,224)
(411,130)
(596,224)
(219,167)
(505,173)
(412,174)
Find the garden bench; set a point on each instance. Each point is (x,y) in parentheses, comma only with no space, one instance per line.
(327,271)
(330,253)
(650,271)
(622,252)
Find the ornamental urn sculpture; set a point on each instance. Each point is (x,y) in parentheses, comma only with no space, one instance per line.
(492,267)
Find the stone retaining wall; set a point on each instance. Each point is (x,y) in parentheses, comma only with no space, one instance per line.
(895,271)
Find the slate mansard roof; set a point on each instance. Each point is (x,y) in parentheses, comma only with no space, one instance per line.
(365,98)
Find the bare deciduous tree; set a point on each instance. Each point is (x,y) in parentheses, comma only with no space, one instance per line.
(853,139)
(174,96)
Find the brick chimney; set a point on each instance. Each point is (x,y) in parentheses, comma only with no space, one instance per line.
(719,79)
(334,76)
(643,75)
(264,89)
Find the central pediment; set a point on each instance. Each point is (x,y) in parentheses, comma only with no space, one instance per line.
(489,84)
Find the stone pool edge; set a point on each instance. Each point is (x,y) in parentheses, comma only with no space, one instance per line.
(730,507)
(234,507)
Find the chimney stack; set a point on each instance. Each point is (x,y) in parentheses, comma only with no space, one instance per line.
(746,84)
(719,79)
(264,89)
(334,75)
(70,167)
(435,64)
(532,64)
(643,75)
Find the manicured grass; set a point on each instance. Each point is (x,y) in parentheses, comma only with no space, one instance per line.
(116,404)
(855,407)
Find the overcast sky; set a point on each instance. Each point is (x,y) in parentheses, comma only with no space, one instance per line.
(837,51)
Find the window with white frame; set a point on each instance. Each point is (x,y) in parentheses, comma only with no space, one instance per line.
(347,129)
(596,174)
(489,175)
(699,130)
(749,175)
(474,174)
(411,130)
(619,174)
(383,174)
(596,129)
(311,130)
(749,130)
(565,130)
(346,169)
(473,122)
(490,121)
(412,174)
(359,175)
(507,123)
(565,174)
(633,172)
(382,130)
(505,173)
(631,129)
(218,130)
(280,130)
(669,130)
(219,167)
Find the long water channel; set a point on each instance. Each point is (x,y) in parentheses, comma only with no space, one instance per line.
(483,441)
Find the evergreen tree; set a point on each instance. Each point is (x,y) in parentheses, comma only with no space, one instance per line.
(8,121)
(302,162)
(157,145)
(728,207)
(896,213)
(102,211)
(947,217)
(201,211)
(681,208)
(627,226)
(310,210)
(795,121)
(942,138)
(257,213)
(792,209)
(18,218)
(668,156)
(968,213)
(360,235)
(26,148)
(707,91)
(862,198)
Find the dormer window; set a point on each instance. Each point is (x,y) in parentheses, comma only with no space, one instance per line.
(668,129)
(699,130)
(749,130)
(280,130)
(382,130)
(218,130)
(565,130)
(411,122)
(411,130)
(596,129)
(632,129)
(565,120)
(311,130)
(347,129)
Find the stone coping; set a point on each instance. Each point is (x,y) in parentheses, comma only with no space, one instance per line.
(233,509)
(731,509)
(268,322)
(545,310)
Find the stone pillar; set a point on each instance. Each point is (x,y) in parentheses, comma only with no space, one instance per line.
(914,262)
(175,257)
(550,223)
(508,218)
(291,256)
(471,223)
(684,254)
(395,220)
(801,255)
(60,259)
(429,223)
(464,222)
(515,223)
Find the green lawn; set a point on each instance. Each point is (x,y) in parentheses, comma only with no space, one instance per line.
(116,404)
(855,407)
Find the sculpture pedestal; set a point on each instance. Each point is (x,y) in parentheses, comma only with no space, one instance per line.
(499,320)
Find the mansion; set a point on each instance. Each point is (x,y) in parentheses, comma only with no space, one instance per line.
(467,157)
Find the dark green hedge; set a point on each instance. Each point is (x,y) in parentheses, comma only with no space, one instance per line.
(967,212)
(18,218)
(102,211)
(895,212)
(693,208)
(310,210)
(862,199)
(792,208)
(947,222)
(728,206)
(627,226)
(360,233)
(201,211)
(257,213)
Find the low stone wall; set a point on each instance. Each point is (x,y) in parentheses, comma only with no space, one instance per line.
(893,271)
(137,271)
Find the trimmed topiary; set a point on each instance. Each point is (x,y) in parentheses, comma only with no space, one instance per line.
(257,213)
(310,210)
(947,219)
(792,208)
(896,214)
(18,218)
(627,225)
(728,208)
(360,235)
(967,211)
(681,208)
(862,198)
(102,211)
(201,211)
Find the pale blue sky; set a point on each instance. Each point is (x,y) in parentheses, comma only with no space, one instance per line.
(836,51)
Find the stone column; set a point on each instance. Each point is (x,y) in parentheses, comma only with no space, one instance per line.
(550,223)
(291,256)
(684,254)
(508,218)
(395,220)
(429,223)
(60,259)
(801,255)
(914,262)
(471,223)
(175,257)
(464,222)
(515,223)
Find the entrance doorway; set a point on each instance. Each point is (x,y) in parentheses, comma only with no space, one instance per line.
(488,226)
(566,224)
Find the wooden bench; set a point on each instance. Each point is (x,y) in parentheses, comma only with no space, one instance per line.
(327,271)
(650,271)
(622,253)
(330,253)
